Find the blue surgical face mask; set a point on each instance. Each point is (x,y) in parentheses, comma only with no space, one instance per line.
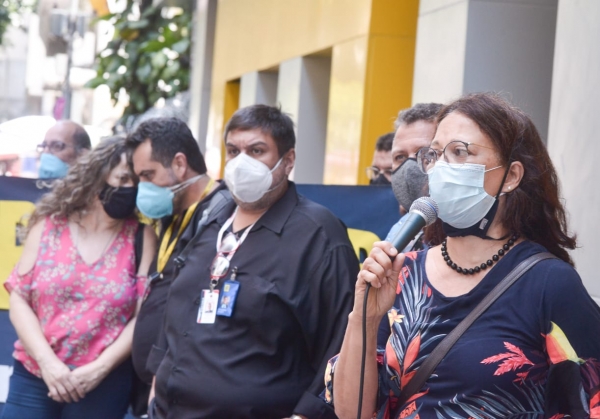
(157,201)
(52,167)
(459,192)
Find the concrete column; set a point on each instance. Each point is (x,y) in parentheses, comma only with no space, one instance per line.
(574,126)
(201,69)
(258,87)
(303,92)
(487,45)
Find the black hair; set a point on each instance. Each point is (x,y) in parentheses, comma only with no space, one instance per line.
(268,119)
(384,143)
(168,136)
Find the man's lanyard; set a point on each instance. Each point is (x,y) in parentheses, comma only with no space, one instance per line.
(214,281)
(239,241)
(166,245)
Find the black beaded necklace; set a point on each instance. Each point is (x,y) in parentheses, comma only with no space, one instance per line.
(484,265)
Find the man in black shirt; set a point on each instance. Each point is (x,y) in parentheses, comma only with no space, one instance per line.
(262,301)
(175,189)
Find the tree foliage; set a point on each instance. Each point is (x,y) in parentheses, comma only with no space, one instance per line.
(148,57)
(11,13)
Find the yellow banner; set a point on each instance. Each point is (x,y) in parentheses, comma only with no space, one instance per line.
(13,214)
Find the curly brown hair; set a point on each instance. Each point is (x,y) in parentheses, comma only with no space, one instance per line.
(534,209)
(84,181)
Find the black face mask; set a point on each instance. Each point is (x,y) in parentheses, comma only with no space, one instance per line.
(121,201)
(479,229)
(379,180)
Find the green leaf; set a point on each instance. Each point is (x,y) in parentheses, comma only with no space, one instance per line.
(159,59)
(139,101)
(107,16)
(152,10)
(170,70)
(95,82)
(143,72)
(114,64)
(153,98)
(181,46)
(152,46)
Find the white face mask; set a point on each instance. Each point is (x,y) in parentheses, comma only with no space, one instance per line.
(459,193)
(248,179)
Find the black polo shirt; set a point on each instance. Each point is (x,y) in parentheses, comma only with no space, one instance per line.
(150,318)
(297,271)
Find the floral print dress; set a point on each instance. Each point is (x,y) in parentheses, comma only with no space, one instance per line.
(82,308)
(533,354)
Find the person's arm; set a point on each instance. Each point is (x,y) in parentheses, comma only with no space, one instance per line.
(91,374)
(62,387)
(571,327)
(382,274)
(55,373)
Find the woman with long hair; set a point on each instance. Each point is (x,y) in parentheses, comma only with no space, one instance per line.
(535,352)
(75,293)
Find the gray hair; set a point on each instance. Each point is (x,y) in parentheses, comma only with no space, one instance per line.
(419,112)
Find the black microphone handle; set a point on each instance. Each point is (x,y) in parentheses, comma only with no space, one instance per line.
(413,223)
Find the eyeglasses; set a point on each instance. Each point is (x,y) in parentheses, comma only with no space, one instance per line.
(374,172)
(455,152)
(220,264)
(53,146)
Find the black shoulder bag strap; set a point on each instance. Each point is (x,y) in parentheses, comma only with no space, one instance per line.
(440,351)
(217,203)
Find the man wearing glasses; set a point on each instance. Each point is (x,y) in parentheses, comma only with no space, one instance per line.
(263,300)
(62,144)
(415,128)
(380,171)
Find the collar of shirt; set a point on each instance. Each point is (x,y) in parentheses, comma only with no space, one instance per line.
(276,216)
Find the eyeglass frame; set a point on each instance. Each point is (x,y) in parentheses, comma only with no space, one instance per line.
(54,146)
(442,152)
(377,171)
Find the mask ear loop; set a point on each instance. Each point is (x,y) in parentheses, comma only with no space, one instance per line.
(510,161)
(503,180)
(185,184)
(407,159)
(282,180)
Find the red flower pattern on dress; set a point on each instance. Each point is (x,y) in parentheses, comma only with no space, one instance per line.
(82,308)
(510,361)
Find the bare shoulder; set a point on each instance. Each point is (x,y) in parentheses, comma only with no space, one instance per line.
(31,247)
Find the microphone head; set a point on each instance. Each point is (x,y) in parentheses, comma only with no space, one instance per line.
(426,207)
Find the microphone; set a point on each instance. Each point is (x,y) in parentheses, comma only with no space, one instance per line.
(423,212)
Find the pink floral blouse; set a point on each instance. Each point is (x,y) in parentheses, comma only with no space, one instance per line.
(82,307)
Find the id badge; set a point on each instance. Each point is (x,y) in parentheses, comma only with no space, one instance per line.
(227,301)
(208,307)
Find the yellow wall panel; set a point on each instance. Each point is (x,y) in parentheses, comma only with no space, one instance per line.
(231,104)
(255,35)
(388,89)
(258,34)
(372,42)
(344,118)
(394,17)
